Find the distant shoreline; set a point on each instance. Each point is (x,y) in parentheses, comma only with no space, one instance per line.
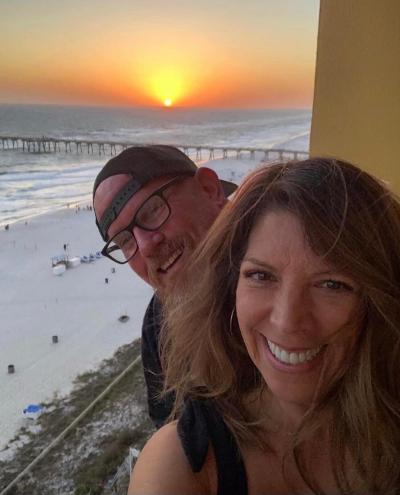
(54,209)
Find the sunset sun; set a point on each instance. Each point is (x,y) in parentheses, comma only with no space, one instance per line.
(167,86)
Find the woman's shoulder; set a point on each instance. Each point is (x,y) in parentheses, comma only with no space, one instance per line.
(163,467)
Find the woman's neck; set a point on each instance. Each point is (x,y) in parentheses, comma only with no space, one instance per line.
(279,415)
(286,416)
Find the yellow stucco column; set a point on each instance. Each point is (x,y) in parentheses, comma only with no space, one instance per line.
(356,112)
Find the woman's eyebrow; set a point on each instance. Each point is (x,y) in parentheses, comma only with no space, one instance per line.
(327,272)
(255,261)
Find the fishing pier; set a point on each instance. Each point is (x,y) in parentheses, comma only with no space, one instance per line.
(109,148)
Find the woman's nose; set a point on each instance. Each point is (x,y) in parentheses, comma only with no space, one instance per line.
(290,306)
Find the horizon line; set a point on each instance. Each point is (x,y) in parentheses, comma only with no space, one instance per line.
(148,107)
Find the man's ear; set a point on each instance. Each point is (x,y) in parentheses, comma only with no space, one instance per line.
(211,185)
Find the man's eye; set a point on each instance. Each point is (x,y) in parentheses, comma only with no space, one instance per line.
(154,209)
(150,211)
(122,240)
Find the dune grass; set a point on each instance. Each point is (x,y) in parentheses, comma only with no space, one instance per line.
(89,455)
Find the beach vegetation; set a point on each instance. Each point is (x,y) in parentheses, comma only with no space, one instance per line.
(92,477)
(89,456)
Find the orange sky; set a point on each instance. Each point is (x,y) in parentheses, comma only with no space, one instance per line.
(255,54)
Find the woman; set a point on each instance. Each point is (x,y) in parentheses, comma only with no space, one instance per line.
(283,350)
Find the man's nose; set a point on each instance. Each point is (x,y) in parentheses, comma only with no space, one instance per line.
(148,241)
(290,309)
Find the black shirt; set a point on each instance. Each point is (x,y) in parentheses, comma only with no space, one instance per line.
(159,407)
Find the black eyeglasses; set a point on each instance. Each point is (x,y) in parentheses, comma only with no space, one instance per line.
(151,215)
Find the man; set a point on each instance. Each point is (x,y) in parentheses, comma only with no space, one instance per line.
(153,206)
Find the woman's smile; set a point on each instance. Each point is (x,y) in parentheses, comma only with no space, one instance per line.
(291,357)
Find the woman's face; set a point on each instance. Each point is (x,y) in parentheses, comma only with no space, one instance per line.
(298,316)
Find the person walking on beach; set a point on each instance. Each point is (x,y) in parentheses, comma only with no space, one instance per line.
(153,206)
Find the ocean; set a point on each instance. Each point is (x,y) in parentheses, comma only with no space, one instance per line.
(34,183)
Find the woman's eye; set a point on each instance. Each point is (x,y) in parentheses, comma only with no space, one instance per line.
(335,285)
(257,275)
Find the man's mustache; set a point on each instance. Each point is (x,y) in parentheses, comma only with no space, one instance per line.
(154,263)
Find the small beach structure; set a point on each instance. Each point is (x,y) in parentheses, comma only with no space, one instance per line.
(59,269)
(61,262)
(33,411)
(73,262)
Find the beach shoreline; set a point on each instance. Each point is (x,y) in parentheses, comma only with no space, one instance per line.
(79,307)
(27,218)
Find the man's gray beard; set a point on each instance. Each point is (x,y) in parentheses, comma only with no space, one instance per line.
(188,245)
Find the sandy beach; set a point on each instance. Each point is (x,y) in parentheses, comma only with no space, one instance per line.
(77,306)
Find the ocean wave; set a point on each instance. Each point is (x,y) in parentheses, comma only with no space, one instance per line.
(31,183)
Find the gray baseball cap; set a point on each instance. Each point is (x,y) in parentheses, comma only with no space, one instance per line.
(144,163)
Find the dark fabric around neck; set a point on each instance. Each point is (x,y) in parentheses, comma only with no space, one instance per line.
(201,423)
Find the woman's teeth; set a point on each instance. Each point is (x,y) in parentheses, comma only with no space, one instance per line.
(292,357)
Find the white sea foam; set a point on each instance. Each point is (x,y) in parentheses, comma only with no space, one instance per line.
(32,183)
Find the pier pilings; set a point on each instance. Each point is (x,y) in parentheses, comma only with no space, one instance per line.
(45,144)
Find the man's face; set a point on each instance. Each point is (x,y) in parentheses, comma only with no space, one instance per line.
(195,202)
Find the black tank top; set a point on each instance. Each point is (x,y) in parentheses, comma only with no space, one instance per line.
(201,423)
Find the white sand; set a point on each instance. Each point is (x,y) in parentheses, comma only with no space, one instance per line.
(78,306)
